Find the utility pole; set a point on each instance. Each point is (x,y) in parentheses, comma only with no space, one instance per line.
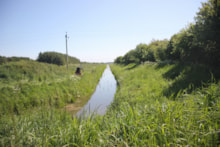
(66,52)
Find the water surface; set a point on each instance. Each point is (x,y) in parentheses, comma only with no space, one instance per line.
(103,95)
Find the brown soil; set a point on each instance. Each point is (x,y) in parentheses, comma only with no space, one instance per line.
(72,108)
(75,107)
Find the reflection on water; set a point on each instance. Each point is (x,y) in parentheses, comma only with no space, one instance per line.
(103,95)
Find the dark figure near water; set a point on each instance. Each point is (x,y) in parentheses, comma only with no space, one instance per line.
(78,71)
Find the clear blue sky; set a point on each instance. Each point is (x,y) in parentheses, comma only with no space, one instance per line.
(99,30)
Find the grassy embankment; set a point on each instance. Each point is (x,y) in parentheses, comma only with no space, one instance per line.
(168,105)
(155,105)
(28,84)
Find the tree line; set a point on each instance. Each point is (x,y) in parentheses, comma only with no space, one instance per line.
(56,58)
(198,43)
(4,60)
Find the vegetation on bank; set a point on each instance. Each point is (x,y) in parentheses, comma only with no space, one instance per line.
(28,84)
(156,108)
(142,114)
(199,42)
(168,103)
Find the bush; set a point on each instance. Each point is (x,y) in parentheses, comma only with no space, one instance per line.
(55,58)
(51,57)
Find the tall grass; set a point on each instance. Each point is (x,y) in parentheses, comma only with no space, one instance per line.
(30,84)
(140,115)
(192,119)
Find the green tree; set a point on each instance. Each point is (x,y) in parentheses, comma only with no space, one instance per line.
(55,58)
(150,56)
(159,48)
(199,42)
(131,57)
(207,31)
(119,60)
(141,52)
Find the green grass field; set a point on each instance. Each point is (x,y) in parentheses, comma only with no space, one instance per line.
(167,105)
(155,105)
(28,84)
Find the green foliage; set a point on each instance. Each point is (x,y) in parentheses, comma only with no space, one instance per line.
(207,31)
(11,59)
(199,42)
(140,115)
(131,57)
(160,49)
(29,71)
(143,52)
(27,84)
(56,58)
(155,104)
(119,60)
(156,50)
(149,118)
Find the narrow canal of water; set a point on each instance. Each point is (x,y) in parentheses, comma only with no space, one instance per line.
(103,95)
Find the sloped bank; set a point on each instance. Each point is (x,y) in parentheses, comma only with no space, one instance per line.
(29,84)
